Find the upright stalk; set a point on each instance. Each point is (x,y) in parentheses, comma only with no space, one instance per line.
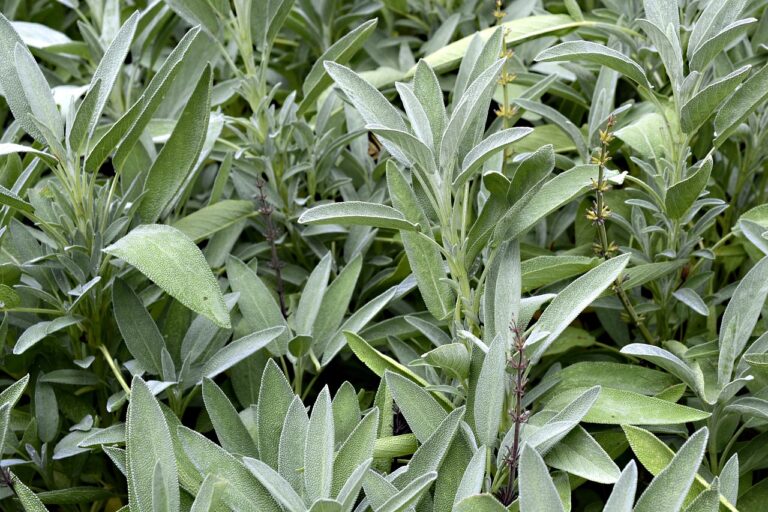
(271,234)
(598,214)
(519,415)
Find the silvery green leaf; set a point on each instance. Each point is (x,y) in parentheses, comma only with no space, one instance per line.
(7,148)
(472,480)
(208,495)
(479,503)
(622,407)
(278,487)
(573,299)
(410,494)
(561,121)
(469,107)
(751,95)
(173,262)
(242,491)
(336,300)
(562,189)
(38,93)
(198,12)
(256,302)
(39,331)
(490,392)
(356,322)
(123,134)
(346,411)
(424,256)
(417,115)
(501,297)
(670,362)
(452,358)
(180,153)
(230,430)
(12,86)
(667,41)
(681,196)
(5,419)
(431,331)
(729,479)
(372,105)
(740,318)
(377,489)
(340,52)
(422,412)
(319,449)
(661,13)
(670,487)
(430,455)
(709,49)
(579,454)
(690,298)
(207,221)
(354,452)
(427,90)
(417,153)
(485,150)
(623,494)
(148,445)
(754,233)
(46,411)
(599,54)
(275,398)
(310,301)
(480,53)
(267,20)
(567,419)
(357,213)
(29,501)
(110,65)
(537,490)
(238,350)
(139,331)
(293,440)
(349,493)
(700,107)
(517,31)
(714,18)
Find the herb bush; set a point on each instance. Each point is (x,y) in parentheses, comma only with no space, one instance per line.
(326,256)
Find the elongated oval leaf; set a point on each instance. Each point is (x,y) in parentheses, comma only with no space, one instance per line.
(670,487)
(207,221)
(489,392)
(339,52)
(140,333)
(621,407)
(537,490)
(573,299)
(424,257)
(599,54)
(174,263)
(738,107)
(148,443)
(353,213)
(180,153)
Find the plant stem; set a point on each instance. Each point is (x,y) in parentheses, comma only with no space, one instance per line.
(271,235)
(598,215)
(519,363)
(115,369)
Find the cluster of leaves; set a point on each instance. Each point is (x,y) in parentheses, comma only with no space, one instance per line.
(390,256)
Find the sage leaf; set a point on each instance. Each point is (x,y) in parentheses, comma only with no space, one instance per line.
(173,262)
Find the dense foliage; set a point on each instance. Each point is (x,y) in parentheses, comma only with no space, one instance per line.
(383,255)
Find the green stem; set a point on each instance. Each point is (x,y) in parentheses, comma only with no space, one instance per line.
(115,369)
